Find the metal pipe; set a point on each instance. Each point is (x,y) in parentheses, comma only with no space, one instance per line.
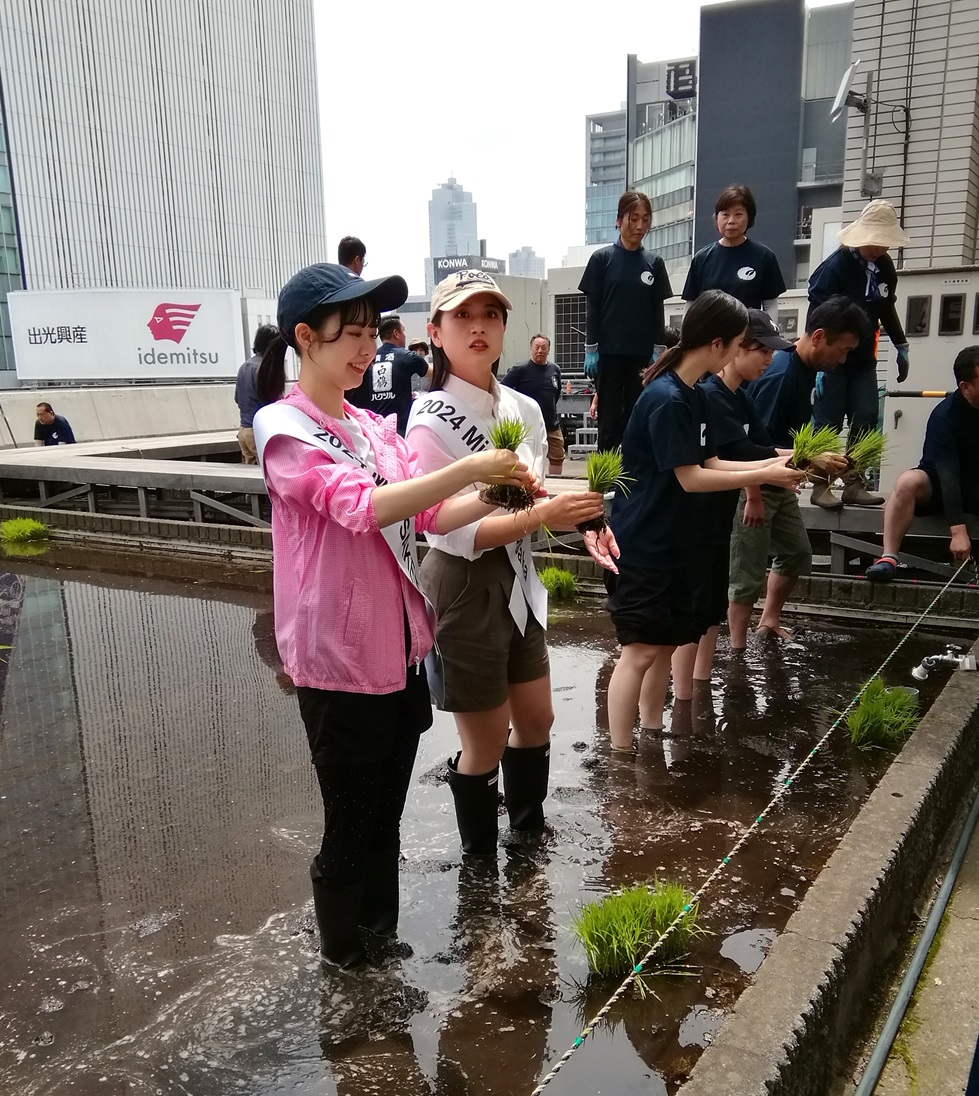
(871,1075)
(916,395)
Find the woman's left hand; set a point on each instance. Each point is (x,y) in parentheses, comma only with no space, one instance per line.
(602,548)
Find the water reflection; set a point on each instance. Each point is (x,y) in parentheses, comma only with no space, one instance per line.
(158,811)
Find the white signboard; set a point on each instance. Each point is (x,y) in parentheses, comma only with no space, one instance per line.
(126,334)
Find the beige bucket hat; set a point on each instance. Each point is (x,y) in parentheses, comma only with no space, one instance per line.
(877,226)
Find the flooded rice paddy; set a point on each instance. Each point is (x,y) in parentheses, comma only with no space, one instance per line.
(158,813)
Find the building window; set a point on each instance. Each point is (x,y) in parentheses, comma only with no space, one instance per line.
(951,314)
(975,317)
(919,316)
(569,331)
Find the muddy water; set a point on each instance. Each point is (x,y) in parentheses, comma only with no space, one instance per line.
(158,813)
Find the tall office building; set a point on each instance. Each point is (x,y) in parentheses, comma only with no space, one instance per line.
(525,263)
(451,227)
(605,173)
(158,145)
(661,111)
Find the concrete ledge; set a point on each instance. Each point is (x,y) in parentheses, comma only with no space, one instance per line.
(791,1029)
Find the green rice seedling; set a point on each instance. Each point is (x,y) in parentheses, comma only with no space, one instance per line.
(507,434)
(605,472)
(866,453)
(22,529)
(618,930)
(809,441)
(883,717)
(561,585)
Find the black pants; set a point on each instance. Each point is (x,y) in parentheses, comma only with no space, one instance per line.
(619,387)
(363,749)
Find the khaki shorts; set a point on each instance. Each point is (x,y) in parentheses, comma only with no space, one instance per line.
(555,446)
(782,537)
(482,650)
(246,443)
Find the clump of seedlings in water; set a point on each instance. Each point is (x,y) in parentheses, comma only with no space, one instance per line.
(22,531)
(809,442)
(883,717)
(507,434)
(561,585)
(618,930)
(866,453)
(605,472)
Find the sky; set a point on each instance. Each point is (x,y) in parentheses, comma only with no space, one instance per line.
(494,95)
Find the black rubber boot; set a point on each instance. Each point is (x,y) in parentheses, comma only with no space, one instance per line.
(476,801)
(337,913)
(525,774)
(382,892)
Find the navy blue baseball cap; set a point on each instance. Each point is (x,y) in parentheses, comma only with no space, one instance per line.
(329,283)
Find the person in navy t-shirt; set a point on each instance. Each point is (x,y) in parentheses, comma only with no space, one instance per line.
(672,578)
(541,380)
(946,480)
(747,270)
(625,287)
(386,387)
(51,429)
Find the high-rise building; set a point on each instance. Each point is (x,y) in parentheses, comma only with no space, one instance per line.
(451,227)
(159,145)
(661,108)
(525,263)
(605,174)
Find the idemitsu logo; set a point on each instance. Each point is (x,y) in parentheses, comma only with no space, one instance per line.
(170,321)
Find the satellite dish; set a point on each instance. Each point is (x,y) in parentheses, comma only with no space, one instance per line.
(844,97)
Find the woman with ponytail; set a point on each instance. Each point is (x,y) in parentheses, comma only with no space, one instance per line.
(351,624)
(671,584)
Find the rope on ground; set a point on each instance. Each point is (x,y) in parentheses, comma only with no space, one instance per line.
(726,860)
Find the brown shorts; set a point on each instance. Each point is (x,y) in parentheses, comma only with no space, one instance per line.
(555,446)
(481,648)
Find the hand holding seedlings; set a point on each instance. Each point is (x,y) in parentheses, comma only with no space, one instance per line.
(782,474)
(504,491)
(828,465)
(502,466)
(569,509)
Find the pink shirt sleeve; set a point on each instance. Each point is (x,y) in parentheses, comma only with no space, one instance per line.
(305,479)
(426,520)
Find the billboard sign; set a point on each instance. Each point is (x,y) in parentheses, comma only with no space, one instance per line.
(126,334)
(449,264)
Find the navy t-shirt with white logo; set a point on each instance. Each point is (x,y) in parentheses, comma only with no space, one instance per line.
(542,383)
(656,523)
(749,272)
(625,290)
(738,434)
(386,387)
(54,433)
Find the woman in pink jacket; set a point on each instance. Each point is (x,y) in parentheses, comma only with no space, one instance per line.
(351,625)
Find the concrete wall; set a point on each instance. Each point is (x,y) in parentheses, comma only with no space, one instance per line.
(101,414)
(941,185)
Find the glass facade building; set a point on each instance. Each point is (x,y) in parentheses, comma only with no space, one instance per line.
(451,226)
(605,167)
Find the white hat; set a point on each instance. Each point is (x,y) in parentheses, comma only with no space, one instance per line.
(877,226)
(463,284)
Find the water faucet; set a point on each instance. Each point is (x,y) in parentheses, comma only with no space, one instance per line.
(953,657)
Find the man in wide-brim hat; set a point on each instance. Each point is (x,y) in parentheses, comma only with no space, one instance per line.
(862,270)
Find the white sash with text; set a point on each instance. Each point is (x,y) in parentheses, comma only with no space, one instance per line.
(464,432)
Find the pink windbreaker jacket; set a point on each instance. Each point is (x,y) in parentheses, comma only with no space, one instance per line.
(340,597)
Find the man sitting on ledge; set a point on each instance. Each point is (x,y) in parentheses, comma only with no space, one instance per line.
(947,479)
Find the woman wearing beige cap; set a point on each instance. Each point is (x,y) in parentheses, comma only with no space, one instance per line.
(861,270)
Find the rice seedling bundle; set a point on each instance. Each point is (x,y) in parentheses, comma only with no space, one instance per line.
(883,717)
(507,434)
(22,530)
(561,585)
(867,451)
(809,442)
(617,931)
(605,472)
